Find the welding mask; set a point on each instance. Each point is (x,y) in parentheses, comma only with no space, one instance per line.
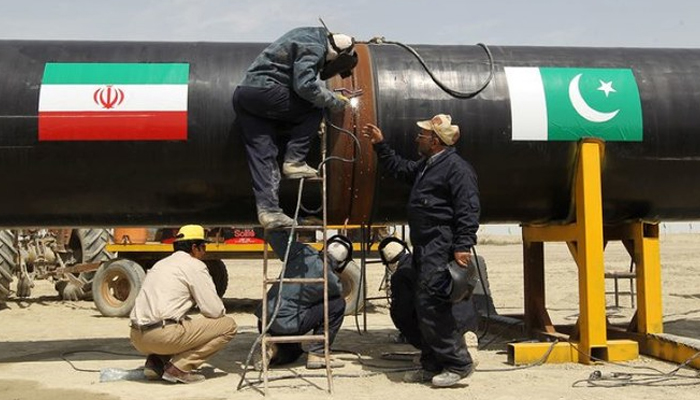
(463,280)
(339,250)
(342,65)
(391,250)
(345,59)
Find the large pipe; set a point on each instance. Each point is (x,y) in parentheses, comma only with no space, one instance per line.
(205,177)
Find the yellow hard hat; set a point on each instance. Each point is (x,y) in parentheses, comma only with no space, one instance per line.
(191,232)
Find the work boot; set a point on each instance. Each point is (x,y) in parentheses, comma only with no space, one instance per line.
(174,374)
(257,357)
(451,378)
(298,169)
(154,367)
(272,220)
(419,376)
(318,361)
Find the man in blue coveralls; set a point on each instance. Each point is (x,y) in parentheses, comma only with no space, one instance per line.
(443,216)
(301,306)
(281,92)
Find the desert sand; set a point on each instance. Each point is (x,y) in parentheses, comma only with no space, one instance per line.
(39,334)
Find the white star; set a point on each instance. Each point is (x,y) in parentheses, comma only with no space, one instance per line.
(606,87)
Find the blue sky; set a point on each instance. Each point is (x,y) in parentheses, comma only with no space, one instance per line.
(621,23)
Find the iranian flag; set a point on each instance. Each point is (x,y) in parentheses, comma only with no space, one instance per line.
(113,101)
(573,103)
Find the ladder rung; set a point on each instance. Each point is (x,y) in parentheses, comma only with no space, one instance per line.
(314,179)
(297,228)
(294,280)
(294,339)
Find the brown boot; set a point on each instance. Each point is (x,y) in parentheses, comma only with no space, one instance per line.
(318,361)
(174,374)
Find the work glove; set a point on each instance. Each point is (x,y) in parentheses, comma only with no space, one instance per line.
(340,103)
(342,98)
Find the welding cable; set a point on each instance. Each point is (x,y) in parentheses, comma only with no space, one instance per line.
(451,92)
(278,302)
(658,378)
(536,363)
(499,334)
(65,354)
(384,370)
(254,383)
(356,142)
(486,296)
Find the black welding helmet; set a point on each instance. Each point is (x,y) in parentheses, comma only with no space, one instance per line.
(463,280)
(342,57)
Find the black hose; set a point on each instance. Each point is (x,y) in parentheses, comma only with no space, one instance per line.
(451,92)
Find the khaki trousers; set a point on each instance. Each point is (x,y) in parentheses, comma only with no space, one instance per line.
(189,343)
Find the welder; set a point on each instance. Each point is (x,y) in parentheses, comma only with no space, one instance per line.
(281,93)
(301,308)
(398,259)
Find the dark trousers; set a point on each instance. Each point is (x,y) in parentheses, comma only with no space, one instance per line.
(312,322)
(403,307)
(263,113)
(443,346)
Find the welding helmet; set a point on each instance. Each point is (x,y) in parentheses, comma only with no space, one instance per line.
(341,56)
(339,251)
(463,280)
(391,250)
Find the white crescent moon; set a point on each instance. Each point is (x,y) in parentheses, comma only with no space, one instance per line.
(583,108)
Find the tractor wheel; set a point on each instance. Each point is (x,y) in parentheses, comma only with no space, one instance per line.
(218,272)
(8,257)
(87,246)
(115,286)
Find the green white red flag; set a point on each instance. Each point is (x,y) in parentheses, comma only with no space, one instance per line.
(113,101)
(567,104)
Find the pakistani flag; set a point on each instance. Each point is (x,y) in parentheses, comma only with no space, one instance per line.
(113,101)
(573,103)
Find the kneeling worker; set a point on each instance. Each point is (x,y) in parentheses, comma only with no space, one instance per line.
(175,343)
(398,259)
(301,305)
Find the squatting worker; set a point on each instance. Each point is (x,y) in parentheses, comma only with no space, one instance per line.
(443,216)
(175,343)
(281,93)
(398,259)
(301,306)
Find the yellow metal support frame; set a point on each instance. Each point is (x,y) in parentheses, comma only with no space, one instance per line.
(586,238)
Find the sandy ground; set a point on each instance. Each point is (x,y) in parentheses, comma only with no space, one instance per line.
(37,332)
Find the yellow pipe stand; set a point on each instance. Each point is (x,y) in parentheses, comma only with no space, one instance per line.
(586,237)
(585,240)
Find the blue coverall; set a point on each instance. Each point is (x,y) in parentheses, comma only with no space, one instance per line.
(301,308)
(443,215)
(281,92)
(403,304)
